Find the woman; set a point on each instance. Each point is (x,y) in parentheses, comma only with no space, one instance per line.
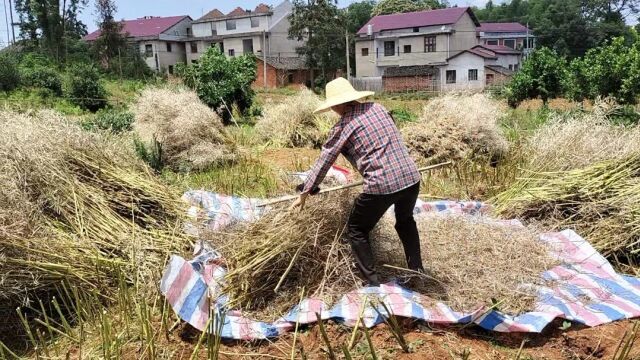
(367,136)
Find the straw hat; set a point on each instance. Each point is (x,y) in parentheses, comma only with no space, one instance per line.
(340,91)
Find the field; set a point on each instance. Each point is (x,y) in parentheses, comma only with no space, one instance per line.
(114,198)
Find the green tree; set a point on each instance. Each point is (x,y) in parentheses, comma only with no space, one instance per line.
(386,7)
(51,24)
(222,82)
(111,41)
(9,74)
(357,15)
(323,27)
(543,75)
(85,89)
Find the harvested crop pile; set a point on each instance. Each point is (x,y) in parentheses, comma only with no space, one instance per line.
(191,135)
(454,127)
(74,207)
(271,260)
(472,261)
(292,123)
(600,201)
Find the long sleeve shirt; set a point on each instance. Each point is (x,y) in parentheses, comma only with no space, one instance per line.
(370,140)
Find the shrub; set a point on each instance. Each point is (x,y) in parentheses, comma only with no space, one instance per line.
(9,75)
(221,81)
(543,75)
(111,120)
(42,77)
(85,89)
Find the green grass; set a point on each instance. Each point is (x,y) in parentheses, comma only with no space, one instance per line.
(520,123)
(30,99)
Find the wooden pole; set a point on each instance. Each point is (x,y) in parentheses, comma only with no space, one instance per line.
(13,28)
(345,187)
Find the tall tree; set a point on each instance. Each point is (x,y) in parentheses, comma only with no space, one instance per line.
(357,15)
(49,24)
(111,41)
(323,26)
(385,7)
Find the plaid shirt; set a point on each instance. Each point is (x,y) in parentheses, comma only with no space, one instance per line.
(370,140)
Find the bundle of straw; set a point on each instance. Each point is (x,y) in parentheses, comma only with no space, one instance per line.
(454,127)
(600,201)
(74,206)
(190,134)
(471,261)
(292,123)
(271,260)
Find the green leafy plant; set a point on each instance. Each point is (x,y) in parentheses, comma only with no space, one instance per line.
(85,89)
(112,120)
(152,154)
(9,75)
(222,82)
(543,75)
(402,115)
(44,77)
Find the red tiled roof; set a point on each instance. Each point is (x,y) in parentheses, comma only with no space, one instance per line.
(153,26)
(213,14)
(417,19)
(263,8)
(500,49)
(512,27)
(237,11)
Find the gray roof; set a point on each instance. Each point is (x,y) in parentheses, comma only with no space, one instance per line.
(286,63)
(415,70)
(500,69)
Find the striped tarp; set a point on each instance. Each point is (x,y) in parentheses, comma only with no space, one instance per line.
(586,290)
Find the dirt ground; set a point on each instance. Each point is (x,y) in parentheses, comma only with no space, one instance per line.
(426,342)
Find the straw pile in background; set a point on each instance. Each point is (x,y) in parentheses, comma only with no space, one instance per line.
(191,135)
(288,251)
(292,123)
(582,173)
(457,126)
(73,207)
(471,261)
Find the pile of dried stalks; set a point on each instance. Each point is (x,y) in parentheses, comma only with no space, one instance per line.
(454,127)
(190,134)
(472,261)
(292,123)
(272,260)
(73,207)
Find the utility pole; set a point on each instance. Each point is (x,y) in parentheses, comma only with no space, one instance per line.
(13,28)
(264,58)
(348,57)
(528,49)
(6,19)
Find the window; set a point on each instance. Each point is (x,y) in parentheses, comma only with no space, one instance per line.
(148,50)
(365,51)
(214,29)
(194,61)
(255,22)
(473,74)
(290,78)
(232,52)
(231,24)
(171,69)
(430,44)
(492,42)
(221,46)
(451,76)
(407,49)
(389,48)
(510,43)
(489,79)
(188,31)
(511,67)
(247,46)
(194,47)
(416,29)
(168,47)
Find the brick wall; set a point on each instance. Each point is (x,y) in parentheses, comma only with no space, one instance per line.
(409,83)
(279,78)
(272,77)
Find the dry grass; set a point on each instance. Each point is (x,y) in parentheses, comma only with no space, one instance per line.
(291,122)
(292,249)
(473,261)
(74,206)
(191,134)
(454,127)
(580,140)
(531,104)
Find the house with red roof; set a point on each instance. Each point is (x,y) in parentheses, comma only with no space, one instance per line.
(262,31)
(511,34)
(160,39)
(436,50)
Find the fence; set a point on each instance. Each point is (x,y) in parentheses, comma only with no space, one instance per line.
(368,84)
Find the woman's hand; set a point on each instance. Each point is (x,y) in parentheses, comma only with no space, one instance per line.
(302,199)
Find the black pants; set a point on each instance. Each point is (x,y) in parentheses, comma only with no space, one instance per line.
(367,211)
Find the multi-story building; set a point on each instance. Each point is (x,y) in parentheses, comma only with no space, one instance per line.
(513,35)
(263,31)
(158,38)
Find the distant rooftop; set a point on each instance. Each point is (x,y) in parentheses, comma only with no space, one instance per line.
(436,17)
(216,14)
(144,27)
(509,27)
